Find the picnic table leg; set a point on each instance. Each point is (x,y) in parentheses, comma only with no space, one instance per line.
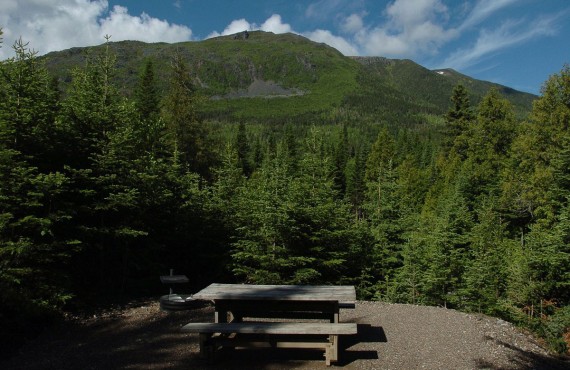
(205,347)
(333,339)
(221,311)
(221,316)
(331,350)
(334,347)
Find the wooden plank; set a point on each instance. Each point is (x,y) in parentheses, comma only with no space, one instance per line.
(308,328)
(340,293)
(261,306)
(299,315)
(238,343)
(323,310)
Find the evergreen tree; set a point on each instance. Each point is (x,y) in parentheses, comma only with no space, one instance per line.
(29,105)
(292,146)
(384,214)
(243,149)
(146,95)
(325,230)
(340,161)
(445,240)
(355,185)
(294,228)
(407,286)
(458,119)
(537,157)
(187,133)
(486,273)
(488,144)
(382,155)
(33,249)
(261,252)
(90,109)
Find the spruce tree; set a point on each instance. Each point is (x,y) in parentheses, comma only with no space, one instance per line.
(485,277)
(340,161)
(261,252)
(382,155)
(33,248)
(243,149)
(146,95)
(458,119)
(185,131)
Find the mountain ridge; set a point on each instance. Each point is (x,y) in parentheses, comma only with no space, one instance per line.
(303,78)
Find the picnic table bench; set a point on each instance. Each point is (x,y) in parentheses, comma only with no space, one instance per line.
(237,304)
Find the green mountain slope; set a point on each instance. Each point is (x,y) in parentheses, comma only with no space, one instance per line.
(284,77)
(405,86)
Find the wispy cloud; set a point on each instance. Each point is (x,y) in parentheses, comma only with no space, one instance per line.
(510,33)
(484,9)
(326,9)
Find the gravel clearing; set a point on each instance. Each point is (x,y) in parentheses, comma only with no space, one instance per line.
(390,336)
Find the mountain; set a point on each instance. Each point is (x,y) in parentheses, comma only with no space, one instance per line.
(284,77)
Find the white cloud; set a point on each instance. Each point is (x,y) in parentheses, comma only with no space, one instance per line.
(409,13)
(404,28)
(352,24)
(59,24)
(323,9)
(483,9)
(238,25)
(412,27)
(123,26)
(336,42)
(379,42)
(510,33)
(272,24)
(275,25)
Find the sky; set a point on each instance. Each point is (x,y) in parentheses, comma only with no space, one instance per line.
(517,43)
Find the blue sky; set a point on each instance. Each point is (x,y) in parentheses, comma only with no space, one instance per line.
(517,43)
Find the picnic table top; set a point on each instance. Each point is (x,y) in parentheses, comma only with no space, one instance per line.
(340,293)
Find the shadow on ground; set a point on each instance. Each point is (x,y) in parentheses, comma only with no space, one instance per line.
(111,342)
(523,360)
(145,338)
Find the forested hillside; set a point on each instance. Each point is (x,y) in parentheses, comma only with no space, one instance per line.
(102,191)
(241,78)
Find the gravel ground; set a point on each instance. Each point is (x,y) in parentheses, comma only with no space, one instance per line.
(390,336)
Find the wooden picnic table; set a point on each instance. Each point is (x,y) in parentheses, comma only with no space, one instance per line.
(286,301)
(343,293)
(239,306)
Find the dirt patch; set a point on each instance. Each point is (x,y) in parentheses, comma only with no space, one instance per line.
(390,336)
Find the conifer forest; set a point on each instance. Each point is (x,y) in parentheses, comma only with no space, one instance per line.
(102,192)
